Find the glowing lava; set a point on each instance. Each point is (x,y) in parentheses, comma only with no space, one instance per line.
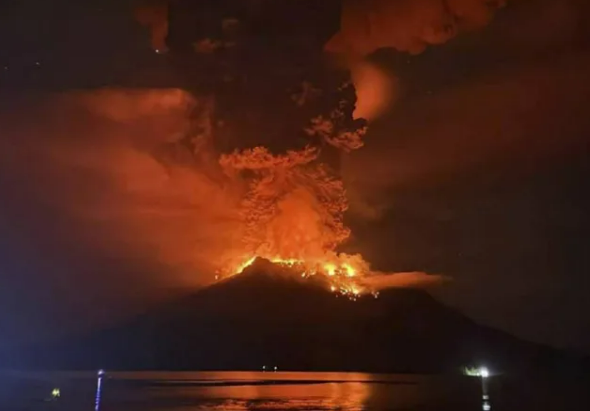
(342,277)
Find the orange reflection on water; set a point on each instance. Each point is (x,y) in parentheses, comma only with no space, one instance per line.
(297,391)
(274,391)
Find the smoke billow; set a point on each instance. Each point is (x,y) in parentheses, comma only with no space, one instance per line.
(379,281)
(533,116)
(154,16)
(108,164)
(406,25)
(376,90)
(112,166)
(294,205)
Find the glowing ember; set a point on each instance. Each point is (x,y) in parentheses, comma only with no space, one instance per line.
(330,269)
(349,270)
(340,275)
(246,264)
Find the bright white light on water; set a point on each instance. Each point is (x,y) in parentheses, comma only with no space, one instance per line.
(98,396)
(481,372)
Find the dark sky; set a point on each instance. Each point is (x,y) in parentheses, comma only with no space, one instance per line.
(479,171)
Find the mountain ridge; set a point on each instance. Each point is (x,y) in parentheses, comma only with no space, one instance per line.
(270,316)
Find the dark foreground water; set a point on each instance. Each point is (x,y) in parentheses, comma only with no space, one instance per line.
(227,391)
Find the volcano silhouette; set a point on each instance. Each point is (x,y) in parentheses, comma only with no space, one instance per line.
(269,316)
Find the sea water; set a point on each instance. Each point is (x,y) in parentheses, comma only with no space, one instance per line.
(290,391)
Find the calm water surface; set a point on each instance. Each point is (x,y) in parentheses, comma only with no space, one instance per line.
(228,391)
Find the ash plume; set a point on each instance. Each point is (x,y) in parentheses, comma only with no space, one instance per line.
(379,281)
(105,163)
(294,206)
(110,165)
(406,25)
(153,15)
(532,76)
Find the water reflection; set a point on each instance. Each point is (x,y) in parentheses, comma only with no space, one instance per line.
(240,391)
(284,391)
(322,396)
(272,396)
(484,374)
(312,391)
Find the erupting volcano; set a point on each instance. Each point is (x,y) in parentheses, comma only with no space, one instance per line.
(288,205)
(292,214)
(343,278)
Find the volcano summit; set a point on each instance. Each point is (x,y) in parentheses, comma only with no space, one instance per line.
(268,316)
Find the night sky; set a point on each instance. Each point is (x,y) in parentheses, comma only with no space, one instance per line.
(478,172)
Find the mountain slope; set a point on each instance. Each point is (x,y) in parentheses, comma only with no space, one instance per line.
(268,316)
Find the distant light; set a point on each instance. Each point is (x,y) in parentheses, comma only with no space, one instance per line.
(487,406)
(276,368)
(484,372)
(264,368)
(37,63)
(481,372)
(98,397)
(55,393)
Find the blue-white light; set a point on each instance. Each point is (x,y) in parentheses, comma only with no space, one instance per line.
(481,372)
(98,390)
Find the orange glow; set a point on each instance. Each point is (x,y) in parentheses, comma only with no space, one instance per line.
(340,274)
(349,270)
(245,264)
(330,269)
(153,15)
(291,212)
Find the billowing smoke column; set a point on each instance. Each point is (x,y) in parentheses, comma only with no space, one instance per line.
(365,26)
(407,25)
(166,197)
(284,185)
(404,25)
(292,207)
(154,16)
